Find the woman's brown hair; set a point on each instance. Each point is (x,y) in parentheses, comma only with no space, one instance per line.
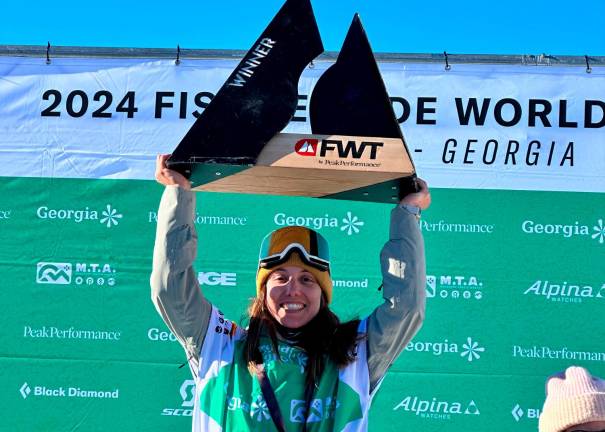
(323,337)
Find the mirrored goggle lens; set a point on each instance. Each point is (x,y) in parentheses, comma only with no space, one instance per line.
(276,259)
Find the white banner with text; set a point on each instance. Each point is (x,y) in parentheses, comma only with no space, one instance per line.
(475,126)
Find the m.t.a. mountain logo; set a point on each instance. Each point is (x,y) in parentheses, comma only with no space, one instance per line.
(456,287)
(53,273)
(63,273)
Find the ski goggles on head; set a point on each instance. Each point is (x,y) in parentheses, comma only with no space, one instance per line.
(277,247)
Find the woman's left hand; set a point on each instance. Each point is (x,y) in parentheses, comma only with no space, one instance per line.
(420,199)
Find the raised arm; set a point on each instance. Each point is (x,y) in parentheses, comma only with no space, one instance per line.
(174,288)
(393,324)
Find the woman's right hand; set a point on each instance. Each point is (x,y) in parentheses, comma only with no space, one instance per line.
(169,177)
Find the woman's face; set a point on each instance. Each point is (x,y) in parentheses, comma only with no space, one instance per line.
(293,296)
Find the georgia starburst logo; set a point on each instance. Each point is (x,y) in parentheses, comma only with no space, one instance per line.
(472,350)
(111,217)
(259,410)
(599,230)
(351,224)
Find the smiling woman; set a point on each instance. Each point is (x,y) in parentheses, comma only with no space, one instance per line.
(293,296)
(295,367)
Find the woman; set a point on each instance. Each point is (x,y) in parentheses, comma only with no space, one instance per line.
(575,402)
(295,367)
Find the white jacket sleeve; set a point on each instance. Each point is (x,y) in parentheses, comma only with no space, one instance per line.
(174,287)
(393,324)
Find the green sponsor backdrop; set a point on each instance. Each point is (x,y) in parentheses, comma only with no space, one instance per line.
(516,285)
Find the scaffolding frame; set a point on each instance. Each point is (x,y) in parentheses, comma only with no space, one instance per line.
(179,54)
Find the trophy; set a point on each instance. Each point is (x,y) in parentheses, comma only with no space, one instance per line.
(355,151)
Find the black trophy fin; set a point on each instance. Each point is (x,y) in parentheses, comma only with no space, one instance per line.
(258,99)
(350,98)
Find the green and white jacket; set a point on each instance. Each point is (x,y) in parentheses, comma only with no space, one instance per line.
(228,397)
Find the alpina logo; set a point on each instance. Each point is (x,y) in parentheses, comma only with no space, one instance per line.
(306,147)
(470,350)
(435,408)
(109,216)
(565,292)
(456,287)
(350,224)
(568,230)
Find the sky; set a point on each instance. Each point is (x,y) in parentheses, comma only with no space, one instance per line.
(553,27)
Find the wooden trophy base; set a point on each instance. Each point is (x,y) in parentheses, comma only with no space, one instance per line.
(328,166)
